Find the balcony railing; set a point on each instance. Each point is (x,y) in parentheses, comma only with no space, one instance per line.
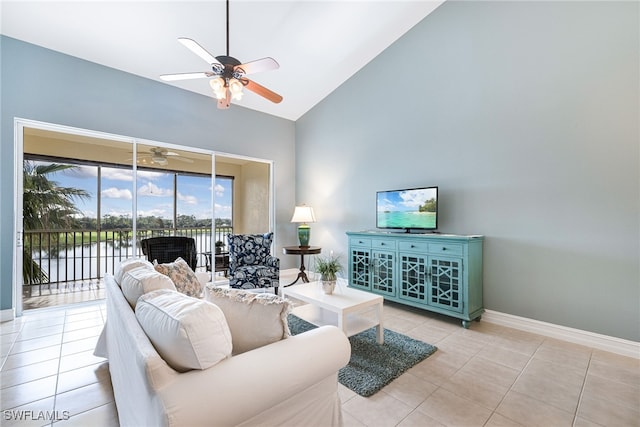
(86,255)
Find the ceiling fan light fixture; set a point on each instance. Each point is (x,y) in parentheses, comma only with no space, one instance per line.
(159,160)
(219,90)
(235,87)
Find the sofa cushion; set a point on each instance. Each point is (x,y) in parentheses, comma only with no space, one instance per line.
(255,319)
(140,280)
(129,264)
(182,276)
(188,333)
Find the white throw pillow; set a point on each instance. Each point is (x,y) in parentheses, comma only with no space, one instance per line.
(129,264)
(140,280)
(254,319)
(188,333)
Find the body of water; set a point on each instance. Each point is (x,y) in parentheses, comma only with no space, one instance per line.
(87,262)
(413,219)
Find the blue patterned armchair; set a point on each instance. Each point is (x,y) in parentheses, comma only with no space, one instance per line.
(250,262)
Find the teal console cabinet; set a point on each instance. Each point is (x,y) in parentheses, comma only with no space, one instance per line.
(436,272)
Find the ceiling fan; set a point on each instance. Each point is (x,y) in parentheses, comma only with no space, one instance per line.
(228,72)
(160,156)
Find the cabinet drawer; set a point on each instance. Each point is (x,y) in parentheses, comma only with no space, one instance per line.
(413,246)
(445,249)
(383,244)
(360,242)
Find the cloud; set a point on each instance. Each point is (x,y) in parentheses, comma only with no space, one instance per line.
(161,213)
(117,174)
(151,175)
(118,213)
(219,189)
(385,205)
(152,190)
(190,200)
(89,213)
(223,211)
(117,193)
(415,198)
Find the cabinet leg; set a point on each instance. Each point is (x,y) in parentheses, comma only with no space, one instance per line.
(465,324)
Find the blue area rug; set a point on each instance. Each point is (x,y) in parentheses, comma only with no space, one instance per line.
(372,366)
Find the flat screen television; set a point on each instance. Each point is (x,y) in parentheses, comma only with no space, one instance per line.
(408,209)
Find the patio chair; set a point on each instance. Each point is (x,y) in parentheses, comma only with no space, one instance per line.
(251,265)
(169,248)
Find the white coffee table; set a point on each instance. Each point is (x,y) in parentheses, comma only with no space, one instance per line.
(345,308)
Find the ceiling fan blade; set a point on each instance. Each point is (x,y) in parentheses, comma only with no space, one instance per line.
(225,102)
(263,91)
(182,159)
(185,76)
(194,47)
(259,65)
(177,156)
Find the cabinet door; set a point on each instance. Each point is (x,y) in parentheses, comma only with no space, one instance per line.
(383,272)
(413,271)
(445,288)
(360,264)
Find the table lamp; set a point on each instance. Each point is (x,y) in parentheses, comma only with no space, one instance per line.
(303,214)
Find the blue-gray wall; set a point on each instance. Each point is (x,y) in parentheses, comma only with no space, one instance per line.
(43,85)
(525,114)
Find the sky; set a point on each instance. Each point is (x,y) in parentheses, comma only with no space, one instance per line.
(155,193)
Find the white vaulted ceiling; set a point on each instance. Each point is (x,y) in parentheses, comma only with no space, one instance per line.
(318,44)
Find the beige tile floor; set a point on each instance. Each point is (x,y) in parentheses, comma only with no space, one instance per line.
(487,375)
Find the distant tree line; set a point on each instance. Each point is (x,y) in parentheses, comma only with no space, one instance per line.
(120,222)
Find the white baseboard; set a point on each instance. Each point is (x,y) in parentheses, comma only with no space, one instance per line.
(6,315)
(577,336)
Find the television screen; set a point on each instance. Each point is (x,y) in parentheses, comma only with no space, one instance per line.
(415,208)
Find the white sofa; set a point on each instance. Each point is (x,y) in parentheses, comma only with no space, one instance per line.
(291,382)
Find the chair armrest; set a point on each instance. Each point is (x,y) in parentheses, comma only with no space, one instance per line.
(203,277)
(245,385)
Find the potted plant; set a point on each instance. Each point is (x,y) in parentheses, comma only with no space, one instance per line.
(328,267)
(219,246)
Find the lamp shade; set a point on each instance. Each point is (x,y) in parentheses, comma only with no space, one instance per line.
(303,214)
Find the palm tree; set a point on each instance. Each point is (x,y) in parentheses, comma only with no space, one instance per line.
(46,206)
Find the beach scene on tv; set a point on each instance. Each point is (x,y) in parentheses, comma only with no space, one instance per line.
(407,208)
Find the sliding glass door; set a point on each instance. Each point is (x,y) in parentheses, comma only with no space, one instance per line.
(126,190)
(103,195)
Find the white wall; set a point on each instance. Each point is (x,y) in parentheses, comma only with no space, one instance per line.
(525,114)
